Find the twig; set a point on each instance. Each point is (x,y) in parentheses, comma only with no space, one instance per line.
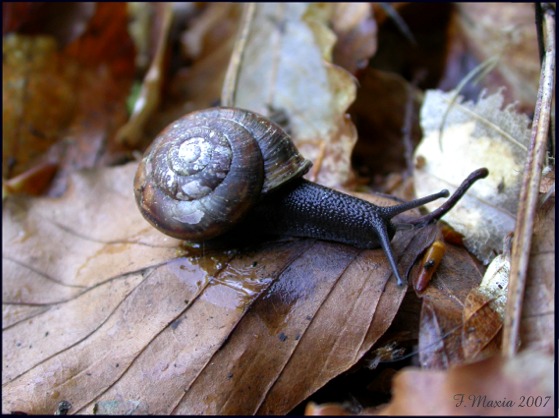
(409,119)
(400,23)
(232,75)
(529,194)
(476,74)
(150,94)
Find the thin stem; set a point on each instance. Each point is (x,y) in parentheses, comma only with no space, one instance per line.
(529,195)
(232,75)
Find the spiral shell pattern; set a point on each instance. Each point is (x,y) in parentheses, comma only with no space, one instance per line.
(204,172)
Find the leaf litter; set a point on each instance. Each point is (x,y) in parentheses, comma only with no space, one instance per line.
(116,312)
(133,315)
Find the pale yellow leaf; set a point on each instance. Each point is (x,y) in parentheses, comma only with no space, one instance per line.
(474,135)
(287,68)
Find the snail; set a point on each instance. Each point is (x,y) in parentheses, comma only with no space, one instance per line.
(213,169)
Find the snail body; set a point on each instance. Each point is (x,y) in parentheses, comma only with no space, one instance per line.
(213,169)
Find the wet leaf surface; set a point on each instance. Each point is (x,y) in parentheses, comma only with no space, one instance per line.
(115,310)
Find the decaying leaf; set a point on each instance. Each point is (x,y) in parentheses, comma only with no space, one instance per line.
(287,68)
(149,97)
(484,310)
(537,322)
(61,106)
(31,68)
(474,136)
(356,31)
(440,341)
(115,312)
(506,31)
(519,386)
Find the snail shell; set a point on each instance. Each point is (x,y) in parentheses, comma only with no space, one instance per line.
(204,172)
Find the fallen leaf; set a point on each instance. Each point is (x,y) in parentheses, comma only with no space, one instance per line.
(537,323)
(484,310)
(379,112)
(440,339)
(287,67)
(474,136)
(506,31)
(33,70)
(519,386)
(356,30)
(84,86)
(117,313)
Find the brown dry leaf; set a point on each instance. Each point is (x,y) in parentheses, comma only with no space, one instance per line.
(440,341)
(325,409)
(208,42)
(504,30)
(537,322)
(84,87)
(149,97)
(474,135)
(116,316)
(485,308)
(64,21)
(519,386)
(286,67)
(282,72)
(32,69)
(379,112)
(482,327)
(356,30)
